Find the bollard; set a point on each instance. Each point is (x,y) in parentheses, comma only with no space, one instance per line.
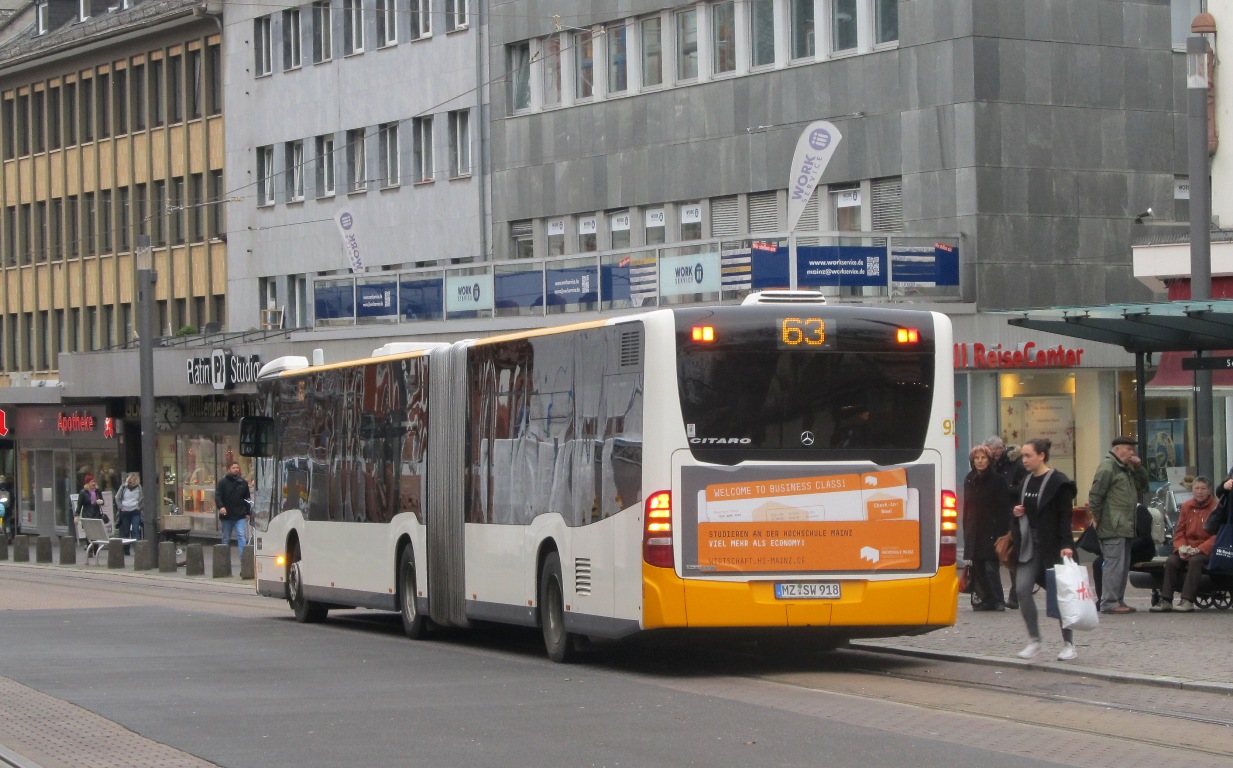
(222,561)
(21,549)
(4,546)
(115,553)
(68,550)
(42,549)
(196,561)
(144,556)
(167,557)
(246,563)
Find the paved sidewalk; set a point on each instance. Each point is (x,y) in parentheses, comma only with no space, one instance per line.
(1192,650)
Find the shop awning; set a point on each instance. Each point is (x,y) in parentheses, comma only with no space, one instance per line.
(1169,371)
(1179,326)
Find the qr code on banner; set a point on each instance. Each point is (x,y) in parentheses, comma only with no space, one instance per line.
(873,266)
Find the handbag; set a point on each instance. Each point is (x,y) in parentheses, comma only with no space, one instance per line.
(1005,547)
(965,580)
(1221,559)
(1088,540)
(1072,595)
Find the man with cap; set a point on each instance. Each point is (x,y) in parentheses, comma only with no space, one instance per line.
(1120,480)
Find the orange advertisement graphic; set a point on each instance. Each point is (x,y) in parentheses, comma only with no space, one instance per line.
(826,523)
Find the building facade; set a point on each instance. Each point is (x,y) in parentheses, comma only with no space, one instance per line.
(361,121)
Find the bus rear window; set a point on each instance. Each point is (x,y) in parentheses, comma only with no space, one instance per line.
(859,396)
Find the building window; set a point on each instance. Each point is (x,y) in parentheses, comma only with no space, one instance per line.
(519,77)
(723,37)
(87,112)
(353,27)
(119,100)
(39,246)
(54,123)
(23,126)
(421,129)
(387,154)
(691,221)
(138,97)
(522,243)
(1182,14)
(36,123)
(846,208)
(584,65)
(762,33)
(421,18)
(456,12)
(618,77)
(802,25)
(71,229)
(158,212)
(214,85)
(843,25)
(551,54)
(886,21)
(107,221)
(618,229)
(588,234)
(88,214)
(323,32)
(195,85)
(55,229)
(24,224)
(652,52)
(157,115)
(218,219)
(293,55)
(122,218)
(196,208)
(556,237)
(357,162)
(460,143)
(325,166)
(70,114)
(175,207)
(387,23)
(263,61)
(9,132)
(41,8)
(656,230)
(175,89)
(265,175)
(104,104)
(687,44)
(295,170)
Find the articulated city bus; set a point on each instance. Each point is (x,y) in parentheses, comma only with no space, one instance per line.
(779,466)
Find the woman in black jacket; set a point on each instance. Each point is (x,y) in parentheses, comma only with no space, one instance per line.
(986,516)
(1042,536)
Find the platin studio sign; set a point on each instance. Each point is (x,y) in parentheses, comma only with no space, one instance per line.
(223,370)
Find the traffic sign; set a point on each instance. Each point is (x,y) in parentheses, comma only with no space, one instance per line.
(1221,363)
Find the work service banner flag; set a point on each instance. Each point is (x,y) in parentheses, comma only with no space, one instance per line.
(350,238)
(814,150)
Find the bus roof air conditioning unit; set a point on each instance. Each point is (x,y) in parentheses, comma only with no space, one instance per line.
(785,297)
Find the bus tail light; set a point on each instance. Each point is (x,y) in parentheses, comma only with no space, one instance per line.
(703,333)
(657,530)
(947,552)
(908,336)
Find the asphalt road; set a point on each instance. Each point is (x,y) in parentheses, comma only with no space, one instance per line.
(218,673)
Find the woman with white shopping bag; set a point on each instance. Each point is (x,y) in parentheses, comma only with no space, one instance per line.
(1041,532)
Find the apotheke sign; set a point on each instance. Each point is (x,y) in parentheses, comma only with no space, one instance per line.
(223,370)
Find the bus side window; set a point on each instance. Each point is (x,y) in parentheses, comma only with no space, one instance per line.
(256,436)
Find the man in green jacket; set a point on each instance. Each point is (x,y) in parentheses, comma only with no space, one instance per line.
(1120,480)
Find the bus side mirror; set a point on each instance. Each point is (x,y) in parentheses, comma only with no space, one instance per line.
(256,436)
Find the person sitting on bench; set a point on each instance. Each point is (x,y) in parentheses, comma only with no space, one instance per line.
(1191,547)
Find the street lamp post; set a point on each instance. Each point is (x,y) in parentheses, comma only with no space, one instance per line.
(1200,233)
(146,278)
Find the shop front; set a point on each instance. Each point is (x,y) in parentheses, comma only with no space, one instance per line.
(1021,385)
(51,451)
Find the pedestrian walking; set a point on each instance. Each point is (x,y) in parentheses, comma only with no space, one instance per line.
(90,500)
(128,502)
(1007,462)
(1041,532)
(1113,500)
(231,497)
(986,516)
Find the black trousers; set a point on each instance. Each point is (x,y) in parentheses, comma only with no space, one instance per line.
(987,581)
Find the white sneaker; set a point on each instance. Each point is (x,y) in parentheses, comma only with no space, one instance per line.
(1030,651)
(1068,652)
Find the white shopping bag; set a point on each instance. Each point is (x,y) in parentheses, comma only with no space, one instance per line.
(1076,600)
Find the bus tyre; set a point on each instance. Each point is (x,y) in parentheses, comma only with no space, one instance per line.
(414,623)
(558,642)
(306,611)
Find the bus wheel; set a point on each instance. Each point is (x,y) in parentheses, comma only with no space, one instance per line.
(306,611)
(558,642)
(413,622)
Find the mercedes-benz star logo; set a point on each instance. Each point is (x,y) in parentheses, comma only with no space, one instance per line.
(806,438)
